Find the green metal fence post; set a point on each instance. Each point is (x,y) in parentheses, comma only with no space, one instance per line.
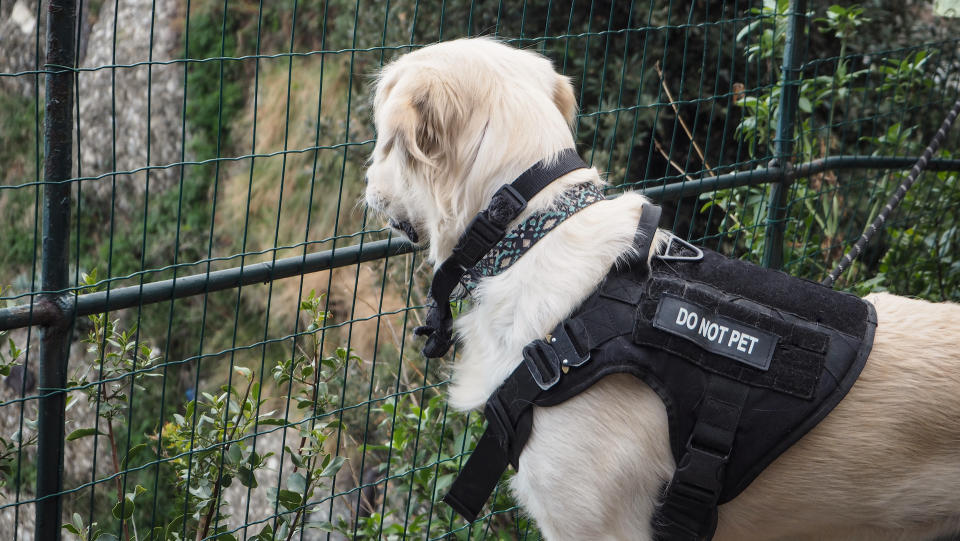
(783,143)
(55,337)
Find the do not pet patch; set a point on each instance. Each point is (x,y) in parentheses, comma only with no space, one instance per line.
(717,334)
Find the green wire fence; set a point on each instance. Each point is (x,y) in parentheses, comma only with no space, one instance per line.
(205,336)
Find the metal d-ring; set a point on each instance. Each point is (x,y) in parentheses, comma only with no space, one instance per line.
(665,256)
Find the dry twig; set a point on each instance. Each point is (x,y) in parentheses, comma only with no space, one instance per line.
(673,163)
(683,123)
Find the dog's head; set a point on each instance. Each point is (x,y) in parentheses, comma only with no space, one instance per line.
(455,121)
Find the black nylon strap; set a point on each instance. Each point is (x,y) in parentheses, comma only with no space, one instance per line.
(688,511)
(509,416)
(481,235)
(478,478)
(538,177)
(647,228)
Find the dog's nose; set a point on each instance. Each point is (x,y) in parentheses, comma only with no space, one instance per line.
(366,180)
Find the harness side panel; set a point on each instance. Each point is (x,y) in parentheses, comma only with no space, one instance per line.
(822,340)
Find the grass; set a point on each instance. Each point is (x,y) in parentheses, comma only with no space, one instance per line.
(20,161)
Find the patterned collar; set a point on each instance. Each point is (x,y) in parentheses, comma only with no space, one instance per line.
(531,230)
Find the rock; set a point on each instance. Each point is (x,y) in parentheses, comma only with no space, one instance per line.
(138,98)
(18,46)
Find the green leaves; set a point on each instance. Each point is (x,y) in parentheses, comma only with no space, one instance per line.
(82,433)
(123,510)
(12,356)
(331,467)
(841,21)
(86,533)
(246,477)
(297,482)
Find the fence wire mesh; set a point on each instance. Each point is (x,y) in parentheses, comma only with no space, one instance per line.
(211,135)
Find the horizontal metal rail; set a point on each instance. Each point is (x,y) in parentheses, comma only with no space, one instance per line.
(687,188)
(46,312)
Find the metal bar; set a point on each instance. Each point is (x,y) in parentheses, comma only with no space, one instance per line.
(783,143)
(45,312)
(127,297)
(54,274)
(754,177)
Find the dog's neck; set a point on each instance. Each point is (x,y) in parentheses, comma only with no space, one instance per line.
(493,166)
(540,289)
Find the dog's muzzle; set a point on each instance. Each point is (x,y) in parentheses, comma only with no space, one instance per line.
(407,229)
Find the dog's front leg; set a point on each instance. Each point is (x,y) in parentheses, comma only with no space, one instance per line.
(595,464)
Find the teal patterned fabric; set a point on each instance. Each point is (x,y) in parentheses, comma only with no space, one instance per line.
(531,230)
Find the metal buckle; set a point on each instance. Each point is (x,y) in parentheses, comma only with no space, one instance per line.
(565,348)
(543,363)
(665,256)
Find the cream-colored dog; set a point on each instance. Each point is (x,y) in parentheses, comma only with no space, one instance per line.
(458,120)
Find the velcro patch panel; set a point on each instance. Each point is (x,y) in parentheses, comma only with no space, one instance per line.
(771,348)
(718,334)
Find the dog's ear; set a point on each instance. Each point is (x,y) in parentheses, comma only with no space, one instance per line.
(428,120)
(564,99)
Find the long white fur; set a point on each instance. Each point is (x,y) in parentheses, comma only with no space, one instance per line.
(459,119)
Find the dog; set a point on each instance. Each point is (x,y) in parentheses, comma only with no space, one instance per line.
(459,119)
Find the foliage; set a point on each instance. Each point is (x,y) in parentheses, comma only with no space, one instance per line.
(418,445)
(119,368)
(921,258)
(21,156)
(828,213)
(12,447)
(207,448)
(426,442)
(10,357)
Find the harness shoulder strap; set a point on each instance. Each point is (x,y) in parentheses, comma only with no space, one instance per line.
(509,415)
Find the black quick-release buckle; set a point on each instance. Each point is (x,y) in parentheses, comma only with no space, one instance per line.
(479,238)
(689,507)
(702,468)
(489,226)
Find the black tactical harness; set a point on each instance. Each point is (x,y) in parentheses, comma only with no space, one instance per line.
(745,359)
